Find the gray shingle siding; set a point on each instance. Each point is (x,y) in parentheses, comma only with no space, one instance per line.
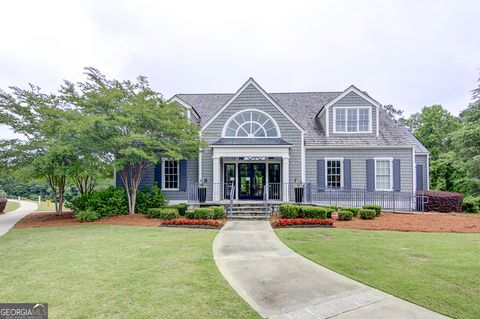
(192,177)
(251,98)
(422,160)
(358,159)
(352,99)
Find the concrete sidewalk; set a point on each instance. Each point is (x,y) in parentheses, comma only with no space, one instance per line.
(8,220)
(279,283)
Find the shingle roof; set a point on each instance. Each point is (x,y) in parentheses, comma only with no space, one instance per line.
(251,141)
(303,108)
(419,148)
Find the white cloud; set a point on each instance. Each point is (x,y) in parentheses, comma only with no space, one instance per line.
(407,53)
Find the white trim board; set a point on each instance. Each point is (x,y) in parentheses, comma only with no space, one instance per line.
(251,81)
(184,104)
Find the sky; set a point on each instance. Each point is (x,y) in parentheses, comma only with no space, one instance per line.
(405,53)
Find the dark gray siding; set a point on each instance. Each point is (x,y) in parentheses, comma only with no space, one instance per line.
(358,158)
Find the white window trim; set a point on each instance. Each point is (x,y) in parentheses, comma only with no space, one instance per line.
(346,119)
(390,159)
(224,130)
(341,170)
(163,175)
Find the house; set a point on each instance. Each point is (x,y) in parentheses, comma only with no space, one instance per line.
(339,145)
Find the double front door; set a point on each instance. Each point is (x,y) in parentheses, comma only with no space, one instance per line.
(252,178)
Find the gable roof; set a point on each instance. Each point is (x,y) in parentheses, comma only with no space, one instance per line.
(419,148)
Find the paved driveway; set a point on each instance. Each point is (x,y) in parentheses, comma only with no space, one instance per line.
(279,283)
(8,220)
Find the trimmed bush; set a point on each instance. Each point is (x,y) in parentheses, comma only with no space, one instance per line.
(86,216)
(106,202)
(443,202)
(190,214)
(367,213)
(204,213)
(3,204)
(345,215)
(376,208)
(289,211)
(165,213)
(330,210)
(335,208)
(218,212)
(352,209)
(149,198)
(471,204)
(314,212)
(182,208)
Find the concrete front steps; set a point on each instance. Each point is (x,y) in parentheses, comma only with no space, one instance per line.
(249,211)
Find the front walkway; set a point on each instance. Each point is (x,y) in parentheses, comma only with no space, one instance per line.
(8,220)
(279,283)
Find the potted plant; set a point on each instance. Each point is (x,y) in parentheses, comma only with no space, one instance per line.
(299,191)
(202,193)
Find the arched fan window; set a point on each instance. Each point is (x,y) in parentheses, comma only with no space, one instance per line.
(251,123)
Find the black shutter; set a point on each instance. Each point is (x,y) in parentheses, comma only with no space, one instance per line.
(419,174)
(157,178)
(182,175)
(321,175)
(396,175)
(347,174)
(370,175)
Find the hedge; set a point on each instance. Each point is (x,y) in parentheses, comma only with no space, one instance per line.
(182,208)
(376,208)
(204,213)
(289,211)
(165,213)
(218,212)
(314,212)
(86,216)
(345,215)
(352,209)
(471,204)
(443,202)
(367,213)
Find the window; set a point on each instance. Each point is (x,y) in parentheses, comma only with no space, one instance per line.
(334,173)
(383,174)
(352,120)
(251,124)
(170,175)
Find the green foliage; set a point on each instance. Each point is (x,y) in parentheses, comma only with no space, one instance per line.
(471,204)
(165,213)
(352,209)
(314,212)
(204,213)
(86,216)
(149,198)
(182,208)
(367,213)
(330,210)
(218,212)
(345,215)
(106,202)
(289,211)
(190,214)
(376,208)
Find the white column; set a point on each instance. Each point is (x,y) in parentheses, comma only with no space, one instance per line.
(286,177)
(216,179)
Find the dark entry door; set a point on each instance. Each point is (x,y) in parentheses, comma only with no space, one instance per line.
(252,180)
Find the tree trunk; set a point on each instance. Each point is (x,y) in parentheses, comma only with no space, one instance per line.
(131,177)
(57,184)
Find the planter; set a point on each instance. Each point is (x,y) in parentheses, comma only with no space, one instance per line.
(299,194)
(202,194)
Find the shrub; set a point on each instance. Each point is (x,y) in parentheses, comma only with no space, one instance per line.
(471,204)
(3,204)
(182,208)
(352,209)
(330,210)
(149,198)
(444,202)
(218,212)
(367,213)
(204,213)
(289,211)
(86,216)
(197,222)
(314,212)
(345,215)
(190,214)
(302,221)
(376,208)
(165,213)
(106,202)
(332,207)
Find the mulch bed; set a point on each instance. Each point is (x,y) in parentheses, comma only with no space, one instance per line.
(192,226)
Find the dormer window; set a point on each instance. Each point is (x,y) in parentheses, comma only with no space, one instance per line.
(352,120)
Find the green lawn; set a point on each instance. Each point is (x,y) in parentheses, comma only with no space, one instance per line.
(11,206)
(109,271)
(440,271)
(43,207)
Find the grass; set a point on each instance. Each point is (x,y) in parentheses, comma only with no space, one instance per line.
(439,271)
(11,206)
(107,271)
(44,207)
